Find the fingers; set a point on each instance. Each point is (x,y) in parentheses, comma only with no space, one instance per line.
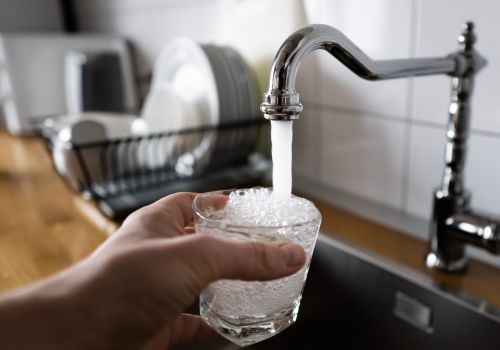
(243,260)
(258,260)
(180,206)
(183,329)
(189,230)
(181,203)
(212,201)
(188,328)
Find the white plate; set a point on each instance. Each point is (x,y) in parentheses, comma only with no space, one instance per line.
(243,86)
(238,101)
(164,111)
(183,65)
(226,90)
(227,95)
(238,98)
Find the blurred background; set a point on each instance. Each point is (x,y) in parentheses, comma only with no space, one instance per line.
(363,145)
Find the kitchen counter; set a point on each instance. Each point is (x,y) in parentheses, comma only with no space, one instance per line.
(42,227)
(45,227)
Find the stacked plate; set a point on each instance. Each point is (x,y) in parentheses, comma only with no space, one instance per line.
(237,99)
(217,84)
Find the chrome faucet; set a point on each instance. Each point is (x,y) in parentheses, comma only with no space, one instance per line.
(453,224)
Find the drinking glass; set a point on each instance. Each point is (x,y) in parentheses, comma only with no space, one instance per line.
(248,312)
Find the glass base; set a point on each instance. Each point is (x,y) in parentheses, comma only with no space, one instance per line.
(250,330)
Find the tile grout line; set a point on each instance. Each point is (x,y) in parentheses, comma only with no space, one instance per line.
(414,36)
(356,113)
(319,93)
(405,181)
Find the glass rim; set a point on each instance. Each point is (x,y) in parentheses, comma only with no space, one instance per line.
(197,211)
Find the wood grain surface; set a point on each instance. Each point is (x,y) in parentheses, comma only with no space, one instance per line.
(42,227)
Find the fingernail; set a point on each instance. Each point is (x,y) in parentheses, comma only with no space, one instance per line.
(293,254)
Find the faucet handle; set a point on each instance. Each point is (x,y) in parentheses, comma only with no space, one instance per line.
(467,59)
(467,38)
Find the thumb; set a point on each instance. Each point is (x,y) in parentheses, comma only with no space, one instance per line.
(250,260)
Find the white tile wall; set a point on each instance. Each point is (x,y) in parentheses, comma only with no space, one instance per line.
(383,141)
(252,27)
(482,175)
(382,29)
(426,167)
(426,163)
(150,24)
(307,144)
(362,155)
(440,23)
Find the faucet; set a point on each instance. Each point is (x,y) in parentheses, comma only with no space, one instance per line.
(453,224)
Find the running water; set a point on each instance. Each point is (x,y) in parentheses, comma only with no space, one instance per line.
(281,139)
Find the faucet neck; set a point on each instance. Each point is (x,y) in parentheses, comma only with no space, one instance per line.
(459,117)
(281,101)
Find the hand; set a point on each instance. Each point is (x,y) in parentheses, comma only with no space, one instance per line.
(130,293)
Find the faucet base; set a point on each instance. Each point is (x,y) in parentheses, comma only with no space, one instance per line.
(434,261)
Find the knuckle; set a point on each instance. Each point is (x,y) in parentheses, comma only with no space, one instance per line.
(133,216)
(140,214)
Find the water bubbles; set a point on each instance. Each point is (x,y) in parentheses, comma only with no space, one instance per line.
(260,214)
(251,298)
(261,207)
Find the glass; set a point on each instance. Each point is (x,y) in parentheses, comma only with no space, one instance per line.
(249,312)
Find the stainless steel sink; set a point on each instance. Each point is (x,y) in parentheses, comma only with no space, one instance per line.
(354,300)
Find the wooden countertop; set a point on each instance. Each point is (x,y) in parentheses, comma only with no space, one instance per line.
(44,227)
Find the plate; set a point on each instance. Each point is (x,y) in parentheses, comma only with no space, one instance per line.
(185,68)
(164,111)
(228,101)
(243,85)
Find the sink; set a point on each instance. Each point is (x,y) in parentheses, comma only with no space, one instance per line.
(356,300)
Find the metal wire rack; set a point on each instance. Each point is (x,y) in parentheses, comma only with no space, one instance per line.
(125,173)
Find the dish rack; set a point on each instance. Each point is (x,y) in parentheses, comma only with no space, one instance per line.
(124,174)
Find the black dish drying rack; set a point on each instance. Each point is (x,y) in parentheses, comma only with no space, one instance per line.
(124,174)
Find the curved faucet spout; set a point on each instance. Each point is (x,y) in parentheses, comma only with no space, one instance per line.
(281,102)
(453,223)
